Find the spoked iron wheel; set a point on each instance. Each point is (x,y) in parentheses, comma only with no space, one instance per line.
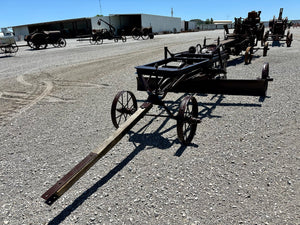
(187,120)
(265,71)
(145,36)
(123,106)
(99,40)
(61,42)
(93,40)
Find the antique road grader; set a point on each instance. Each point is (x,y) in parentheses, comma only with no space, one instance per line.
(40,40)
(277,29)
(183,72)
(247,32)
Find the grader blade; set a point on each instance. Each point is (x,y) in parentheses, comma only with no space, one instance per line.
(57,190)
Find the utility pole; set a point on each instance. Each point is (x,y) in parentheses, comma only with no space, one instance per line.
(100,7)
(171,12)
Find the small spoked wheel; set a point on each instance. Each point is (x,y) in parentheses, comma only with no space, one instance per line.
(99,40)
(145,36)
(265,71)
(248,55)
(123,106)
(187,120)
(124,39)
(93,40)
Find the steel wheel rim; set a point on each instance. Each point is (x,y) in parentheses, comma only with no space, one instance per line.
(186,128)
(123,106)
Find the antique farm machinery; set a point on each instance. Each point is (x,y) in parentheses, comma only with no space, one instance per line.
(8,45)
(98,35)
(277,29)
(247,32)
(41,39)
(183,72)
(144,33)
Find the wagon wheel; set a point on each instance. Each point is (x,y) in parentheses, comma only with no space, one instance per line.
(265,71)
(187,120)
(135,34)
(289,40)
(10,50)
(116,40)
(266,47)
(99,40)
(123,106)
(93,40)
(56,45)
(30,44)
(61,42)
(248,55)
(39,41)
(124,39)
(40,46)
(145,35)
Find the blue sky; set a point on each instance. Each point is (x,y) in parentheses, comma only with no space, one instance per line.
(20,12)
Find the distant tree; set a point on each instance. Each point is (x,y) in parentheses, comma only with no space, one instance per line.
(198,21)
(99,15)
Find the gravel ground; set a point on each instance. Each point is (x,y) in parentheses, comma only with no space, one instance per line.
(242,168)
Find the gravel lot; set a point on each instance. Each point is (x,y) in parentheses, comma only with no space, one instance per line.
(242,168)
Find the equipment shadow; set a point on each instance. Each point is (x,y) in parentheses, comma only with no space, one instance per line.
(141,140)
(240,60)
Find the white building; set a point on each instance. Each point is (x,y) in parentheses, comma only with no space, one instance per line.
(84,26)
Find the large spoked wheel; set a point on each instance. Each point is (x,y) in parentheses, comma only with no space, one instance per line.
(10,50)
(187,120)
(99,40)
(30,44)
(61,42)
(248,55)
(93,40)
(123,106)
(135,35)
(145,36)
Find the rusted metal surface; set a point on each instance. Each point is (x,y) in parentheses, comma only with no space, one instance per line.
(277,28)
(142,33)
(247,32)
(41,39)
(98,36)
(64,184)
(198,70)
